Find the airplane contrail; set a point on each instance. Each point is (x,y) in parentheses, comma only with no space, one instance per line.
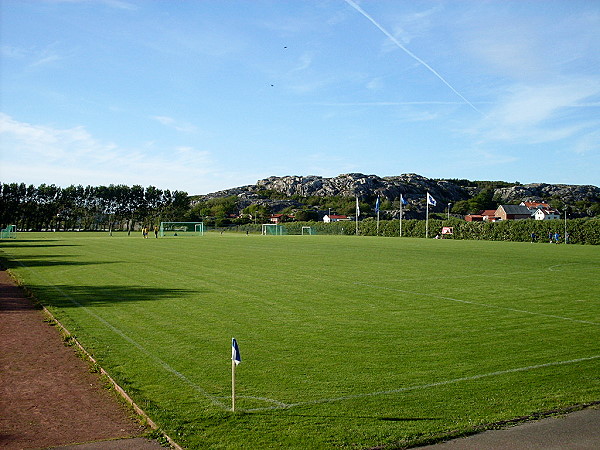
(409,53)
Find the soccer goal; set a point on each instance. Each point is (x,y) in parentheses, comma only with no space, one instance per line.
(273,229)
(10,232)
(181,229)
(308,231)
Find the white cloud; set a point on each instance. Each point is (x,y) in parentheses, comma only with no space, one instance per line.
(537,113)
(304,62)
(43,154)
(176,125)
(411,26)
(588,144)
(375,84)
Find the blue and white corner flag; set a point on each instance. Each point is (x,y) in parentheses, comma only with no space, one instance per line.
(235,352)
(377,205)
(430,200)
(402,200)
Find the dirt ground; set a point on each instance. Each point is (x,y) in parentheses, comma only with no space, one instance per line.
(48,397)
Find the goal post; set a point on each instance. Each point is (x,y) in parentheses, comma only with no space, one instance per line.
(168,229)
(10,232)
(308,231)
(273,229)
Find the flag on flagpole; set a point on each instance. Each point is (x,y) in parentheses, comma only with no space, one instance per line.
(402,200)
(357,208)
(430,200)
(235,352)
(377,205)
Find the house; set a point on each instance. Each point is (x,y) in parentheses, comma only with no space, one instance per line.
(541,210)
(279,218)
(489,215)
(546,214)
(513,212)
(334,218)
(532,206)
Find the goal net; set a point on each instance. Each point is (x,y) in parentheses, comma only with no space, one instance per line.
(10,232)
(273,229)
(308,231)
(181,229)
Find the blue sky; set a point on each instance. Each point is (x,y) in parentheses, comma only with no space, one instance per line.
(206,95)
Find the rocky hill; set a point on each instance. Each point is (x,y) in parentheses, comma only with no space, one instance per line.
(290,190)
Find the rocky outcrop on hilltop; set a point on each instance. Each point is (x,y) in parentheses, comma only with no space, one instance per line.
(540,191)
(411,186)
(291,189)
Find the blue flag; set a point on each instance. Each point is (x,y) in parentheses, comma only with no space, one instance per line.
(235,352)
(377,205)
(402,200)
(430,200)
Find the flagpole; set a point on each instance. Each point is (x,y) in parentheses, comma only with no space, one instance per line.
(357,213)
(232,385)
(427,216)
(400,215)
(235,360)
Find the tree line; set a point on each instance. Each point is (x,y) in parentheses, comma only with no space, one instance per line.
(113,207)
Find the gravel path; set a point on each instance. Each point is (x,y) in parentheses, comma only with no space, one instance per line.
(48,397)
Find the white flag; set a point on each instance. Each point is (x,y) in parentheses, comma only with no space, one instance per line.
(430,200)
(357,208)
(235,352)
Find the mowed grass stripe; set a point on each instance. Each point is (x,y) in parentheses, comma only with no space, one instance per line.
(308,332)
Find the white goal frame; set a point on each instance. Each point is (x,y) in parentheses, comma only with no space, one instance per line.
(279,229)
(310,231)
(181,228)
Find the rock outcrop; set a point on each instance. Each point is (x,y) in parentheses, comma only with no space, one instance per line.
(411,186)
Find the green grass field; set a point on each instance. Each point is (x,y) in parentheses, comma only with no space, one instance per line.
(346,341)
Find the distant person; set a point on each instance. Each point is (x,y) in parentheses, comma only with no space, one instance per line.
(533,236)
(155,231)
(557,237)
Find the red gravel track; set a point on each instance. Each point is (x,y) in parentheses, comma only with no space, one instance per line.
(48,397)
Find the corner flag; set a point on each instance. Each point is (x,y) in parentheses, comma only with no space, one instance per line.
(235,352)
(402,200)
(430,200)
(357,208)
(377,205)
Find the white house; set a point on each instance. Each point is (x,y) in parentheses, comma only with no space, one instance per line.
(334,218)
(546,214)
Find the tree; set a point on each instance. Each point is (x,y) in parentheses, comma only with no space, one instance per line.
(307,215)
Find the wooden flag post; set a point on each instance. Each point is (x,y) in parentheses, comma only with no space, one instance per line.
(233,385)
(235,360)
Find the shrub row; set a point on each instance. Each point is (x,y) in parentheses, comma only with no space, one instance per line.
(579,231)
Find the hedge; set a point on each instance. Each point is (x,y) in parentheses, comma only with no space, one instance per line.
(580,231)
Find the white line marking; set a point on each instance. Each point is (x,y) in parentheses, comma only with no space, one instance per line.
(486,305)
(142,349)
(430,385)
